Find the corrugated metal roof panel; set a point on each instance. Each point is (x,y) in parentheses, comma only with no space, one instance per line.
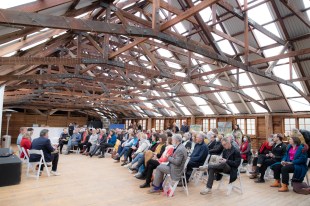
(278,106)
(295,27)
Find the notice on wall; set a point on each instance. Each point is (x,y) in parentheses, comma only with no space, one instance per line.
(196,127)
(224,127)
(1,106)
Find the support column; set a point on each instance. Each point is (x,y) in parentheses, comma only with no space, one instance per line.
(268,125)
(149,123)
(193,120)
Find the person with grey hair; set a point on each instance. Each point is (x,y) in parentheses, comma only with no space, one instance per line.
(50,154)
(101,140)
(198,156)
(175,166)
(228,164)
(73,141)
(186,141)
(231,138)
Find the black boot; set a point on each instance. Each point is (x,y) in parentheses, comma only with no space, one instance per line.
(145,185)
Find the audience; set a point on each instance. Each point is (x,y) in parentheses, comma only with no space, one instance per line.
(276,155)
(92,141)
(294,161)
(63,139)
(212,141)
(111,142)
(84,141)
(175,167)
(261,157)
(218,147)
(184,127)
(22,132)
(50,154)
(73,141)
(229,164)
(245,148)
(186,141)
(175,128)
(101,140)
(25,143)
(237,134)
(198,156)
(155,162)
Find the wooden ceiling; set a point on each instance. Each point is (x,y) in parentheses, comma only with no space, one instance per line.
(108,61)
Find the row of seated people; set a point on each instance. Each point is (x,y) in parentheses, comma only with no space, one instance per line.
(282,159)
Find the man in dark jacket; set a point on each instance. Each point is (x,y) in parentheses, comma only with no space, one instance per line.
(50,154)
(277,152)
(229,164)
(184,127)
(198,156)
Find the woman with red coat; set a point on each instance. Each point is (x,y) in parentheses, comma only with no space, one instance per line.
(26,144)
(245,148)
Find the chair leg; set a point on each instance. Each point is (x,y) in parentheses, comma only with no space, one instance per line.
(229,188)
(220,184)
(241,189)
(38,172)
(307,179)
(47,171)
(173,188)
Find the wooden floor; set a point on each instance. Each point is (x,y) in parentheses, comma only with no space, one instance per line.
(92,181)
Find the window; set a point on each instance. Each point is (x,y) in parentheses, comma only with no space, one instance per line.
(304,123)
(178,122)
(127,122)
(144,124)
(205,125)
(250,126)
(159,124)
(208,124)
(241,123)
(212,123)
(289,124)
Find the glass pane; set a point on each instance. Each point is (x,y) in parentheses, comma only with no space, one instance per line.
(307,120)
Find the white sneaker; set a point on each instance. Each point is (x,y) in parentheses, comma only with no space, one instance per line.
(205,191)
(128,165)
(137,174)
(55,173)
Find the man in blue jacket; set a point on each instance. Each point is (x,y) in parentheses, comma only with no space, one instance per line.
(198,156)
(50,154)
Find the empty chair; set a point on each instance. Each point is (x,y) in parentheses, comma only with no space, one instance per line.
(39,163)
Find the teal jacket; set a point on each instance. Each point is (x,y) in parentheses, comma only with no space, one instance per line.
(299,162)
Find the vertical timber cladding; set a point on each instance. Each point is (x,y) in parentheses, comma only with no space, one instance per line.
(25,119)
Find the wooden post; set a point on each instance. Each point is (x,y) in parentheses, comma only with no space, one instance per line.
(149,123)
(193,120)
(246,34)
(268,125)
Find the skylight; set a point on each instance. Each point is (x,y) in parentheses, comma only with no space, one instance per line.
(164,53)
(252,93)
(262,39)
(258,109)
(12,3)
(185,111)
(33,45)
(226,47)
(173,65)
(206,14)
(260,14)
(180,28)
(206,109)
(244,80)
(233,108)
(190,88)
(299,104)
(289,91)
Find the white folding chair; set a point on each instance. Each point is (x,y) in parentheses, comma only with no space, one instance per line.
(307,178)
(268,174)
(26,157)
(172,185)
(196,175)
(109,151)
(19,150)
(34,164)
(77,150)
(230,185)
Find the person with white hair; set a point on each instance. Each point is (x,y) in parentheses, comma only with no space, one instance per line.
(231,138)
(228,164)
(101,140)
(198,155)
(175,166)
(63,139)
(186,141)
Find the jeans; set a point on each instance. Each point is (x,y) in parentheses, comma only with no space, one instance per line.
(137,158)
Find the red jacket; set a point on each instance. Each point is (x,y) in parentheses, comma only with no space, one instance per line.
(243,148)
(26,144)
(265,148)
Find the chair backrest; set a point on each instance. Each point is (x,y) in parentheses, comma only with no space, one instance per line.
(25,153)
(308,160)
(34,151)
(207,160)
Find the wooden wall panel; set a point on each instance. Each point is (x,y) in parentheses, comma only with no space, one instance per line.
(27,120)
(277,124)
